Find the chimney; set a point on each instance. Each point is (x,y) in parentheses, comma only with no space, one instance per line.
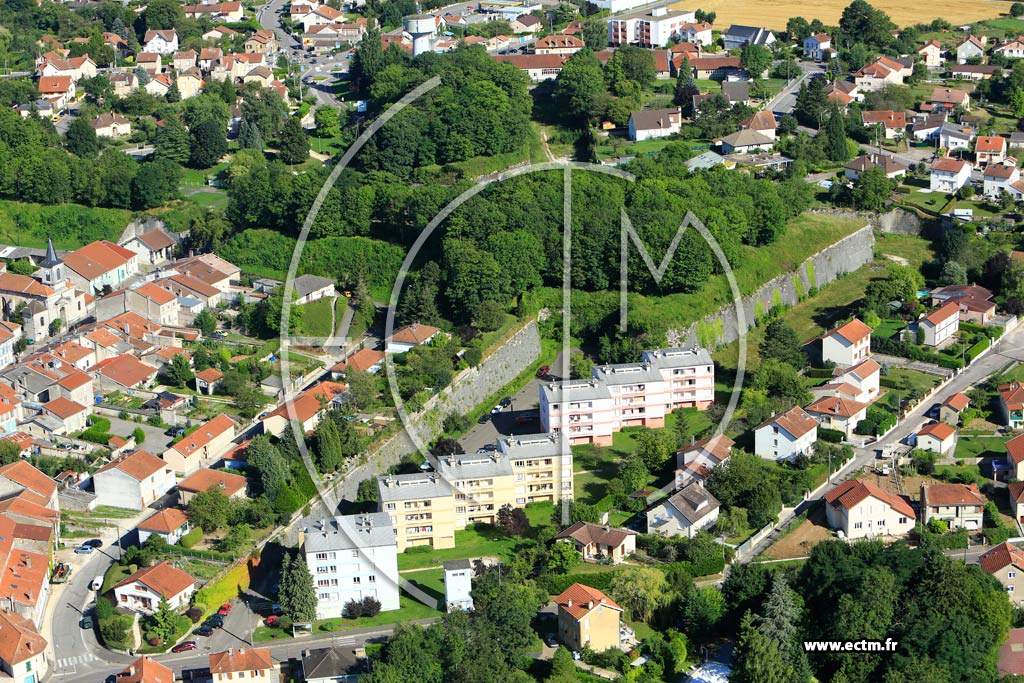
(28,562)
(568,603)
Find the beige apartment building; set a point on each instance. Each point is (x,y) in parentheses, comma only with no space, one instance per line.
(541,467)
(421,507)
(482,482)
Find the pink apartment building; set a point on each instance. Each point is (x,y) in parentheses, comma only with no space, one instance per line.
(629,394)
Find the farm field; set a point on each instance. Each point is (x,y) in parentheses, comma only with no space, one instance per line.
(774,14)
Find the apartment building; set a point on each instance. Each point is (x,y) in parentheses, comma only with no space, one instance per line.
(649,27)
(628,394)
(351,558)
(483,483)
(421,507)
(541,467)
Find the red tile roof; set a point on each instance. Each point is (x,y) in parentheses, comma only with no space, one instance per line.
(940,430)
(126,370)
(165,521)
(19,639)
(205,479)
(155,293)
(163,578)
(137,464)
(209,375)
(145,670)
(951,494)
(718,446)
(948,165)
(414,334)
(363,359)
(63,407)
(205,434)
(943,313)
(861,370)
(308,403)
(795,421)
(97,258)
(990,143)
(832,405)
(1001,556)
(578,600)
(957,401)
(853,491)
(852,331)
(245,659)
(24,474)
(1012,395)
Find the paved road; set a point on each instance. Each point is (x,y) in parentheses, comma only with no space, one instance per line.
(269,17)
(1009,348)
(504,423)
(785,100)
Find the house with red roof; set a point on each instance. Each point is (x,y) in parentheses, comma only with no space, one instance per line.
(169,524)
(951,409)
(847,344)
(937,437)
(204,444)
(206,380)
(145,670)
(122,372)
(409,337)
(948,175)
(253,663)
(133,480)
(588,617)
(203,479)
(958,505)
(859,509)
(1011,403)
(941,325)
(100,264)
(143,590)
(20,476)
(23,650)
(695,462)
(838,412)
(989,149)
(786,435)
(307,408)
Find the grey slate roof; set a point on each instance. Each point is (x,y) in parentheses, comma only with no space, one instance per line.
(412,487)
(304,284)
(349,532)
(753,35)
(575,390)
(331,662)
(736,91)
(677,357)
(471,466)
(533,445)
(694,502)
(456,565)
(626,373)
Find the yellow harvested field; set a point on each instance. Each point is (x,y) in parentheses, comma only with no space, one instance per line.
(773,14)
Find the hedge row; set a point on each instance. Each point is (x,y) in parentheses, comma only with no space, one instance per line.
(602,580)
(818,373)
(995,331)
(201,554)
(830,435)
(976,350)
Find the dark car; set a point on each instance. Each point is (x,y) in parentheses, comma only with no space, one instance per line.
(505,402)
(204,631)
(551,640)
(95,543)
(488,447)
(185,647)
(175,432)
(214,622)
(484,419)
(86,623)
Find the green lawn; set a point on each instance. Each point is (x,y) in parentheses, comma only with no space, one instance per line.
(208,199)
(980,447)
(410,609)
(888,329)
(197,176)
(929,201)
(316,318)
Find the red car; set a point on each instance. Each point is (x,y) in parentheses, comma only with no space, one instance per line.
(543,371)
(272,620)
(224,610)
(184,647)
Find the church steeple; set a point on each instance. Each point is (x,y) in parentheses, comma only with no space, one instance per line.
(52,266)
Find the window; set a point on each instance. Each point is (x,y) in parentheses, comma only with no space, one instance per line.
(1009,589)
(389,506)
(858,525)
(356,580)
(903,520)
(371,579)
(1011,575)
(241,674)
(355,553)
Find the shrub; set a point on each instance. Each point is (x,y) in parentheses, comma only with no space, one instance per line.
(191,538)
(104,609)
(354,609)
(139,434)
(371,606)
(284,623)
(830,435)
(195,614)
(418,550)
(155,642)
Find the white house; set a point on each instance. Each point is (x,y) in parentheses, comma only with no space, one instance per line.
(937,437)
(838,412)
(309,288)
(745,142)
(954,136)
(351,558)
(252,664)
(22,650)
(458,585)
(169,524)
(143,590)
(736,37)
(1012,48)
(695,462)
(654,123)
(931,53)
(949,175)
(133,480)
(815,45)
(859,382)
(860,509)
(970,47)
(989,149)
(409,337)
(162,42)
(684,514)
(847,344)
(786,435)
(941,324)
(1000,177)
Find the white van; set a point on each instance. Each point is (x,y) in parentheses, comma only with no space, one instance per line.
(97,583)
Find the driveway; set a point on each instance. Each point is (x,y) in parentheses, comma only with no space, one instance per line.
(156,441)
(524,404)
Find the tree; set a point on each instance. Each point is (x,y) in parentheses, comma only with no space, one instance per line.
(703,610)
(867,24)
(209,509)
(267,460)
(686,87)
(1017,9)
(655,447)
(368,60)
(755,59)
(580,365)
(634,473)
(595,34)
(293,147)
(172,141)
(208,143)
(249,136)
(798,29)
(513,520)
(173,94)
(782,622)
(782,343)
(562,557)
(757,658)
(579,84)
(836,148)
(872,190)
(811,102)
(206,322)
(81,139)
(155,184)
(328,123)
(117,171)
(9,452)
(179,372)
(328,446)
(163,14)
(638,590)
(297,594)
(162,623)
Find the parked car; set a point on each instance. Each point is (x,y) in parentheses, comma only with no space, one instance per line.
(551,640)
(97,583)
(272,620)
(84,550)
(215,621)
(276,609)
(543,371)
(496,409)
(488,447)
(86,622)
(225,609)
(484,419)
(174,432)
(205,631)
(505,402)
(184,647)
(95,543)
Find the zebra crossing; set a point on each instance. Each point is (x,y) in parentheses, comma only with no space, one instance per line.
(69,662)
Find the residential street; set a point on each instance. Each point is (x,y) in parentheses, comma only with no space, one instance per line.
(1010,348)
(785,101)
